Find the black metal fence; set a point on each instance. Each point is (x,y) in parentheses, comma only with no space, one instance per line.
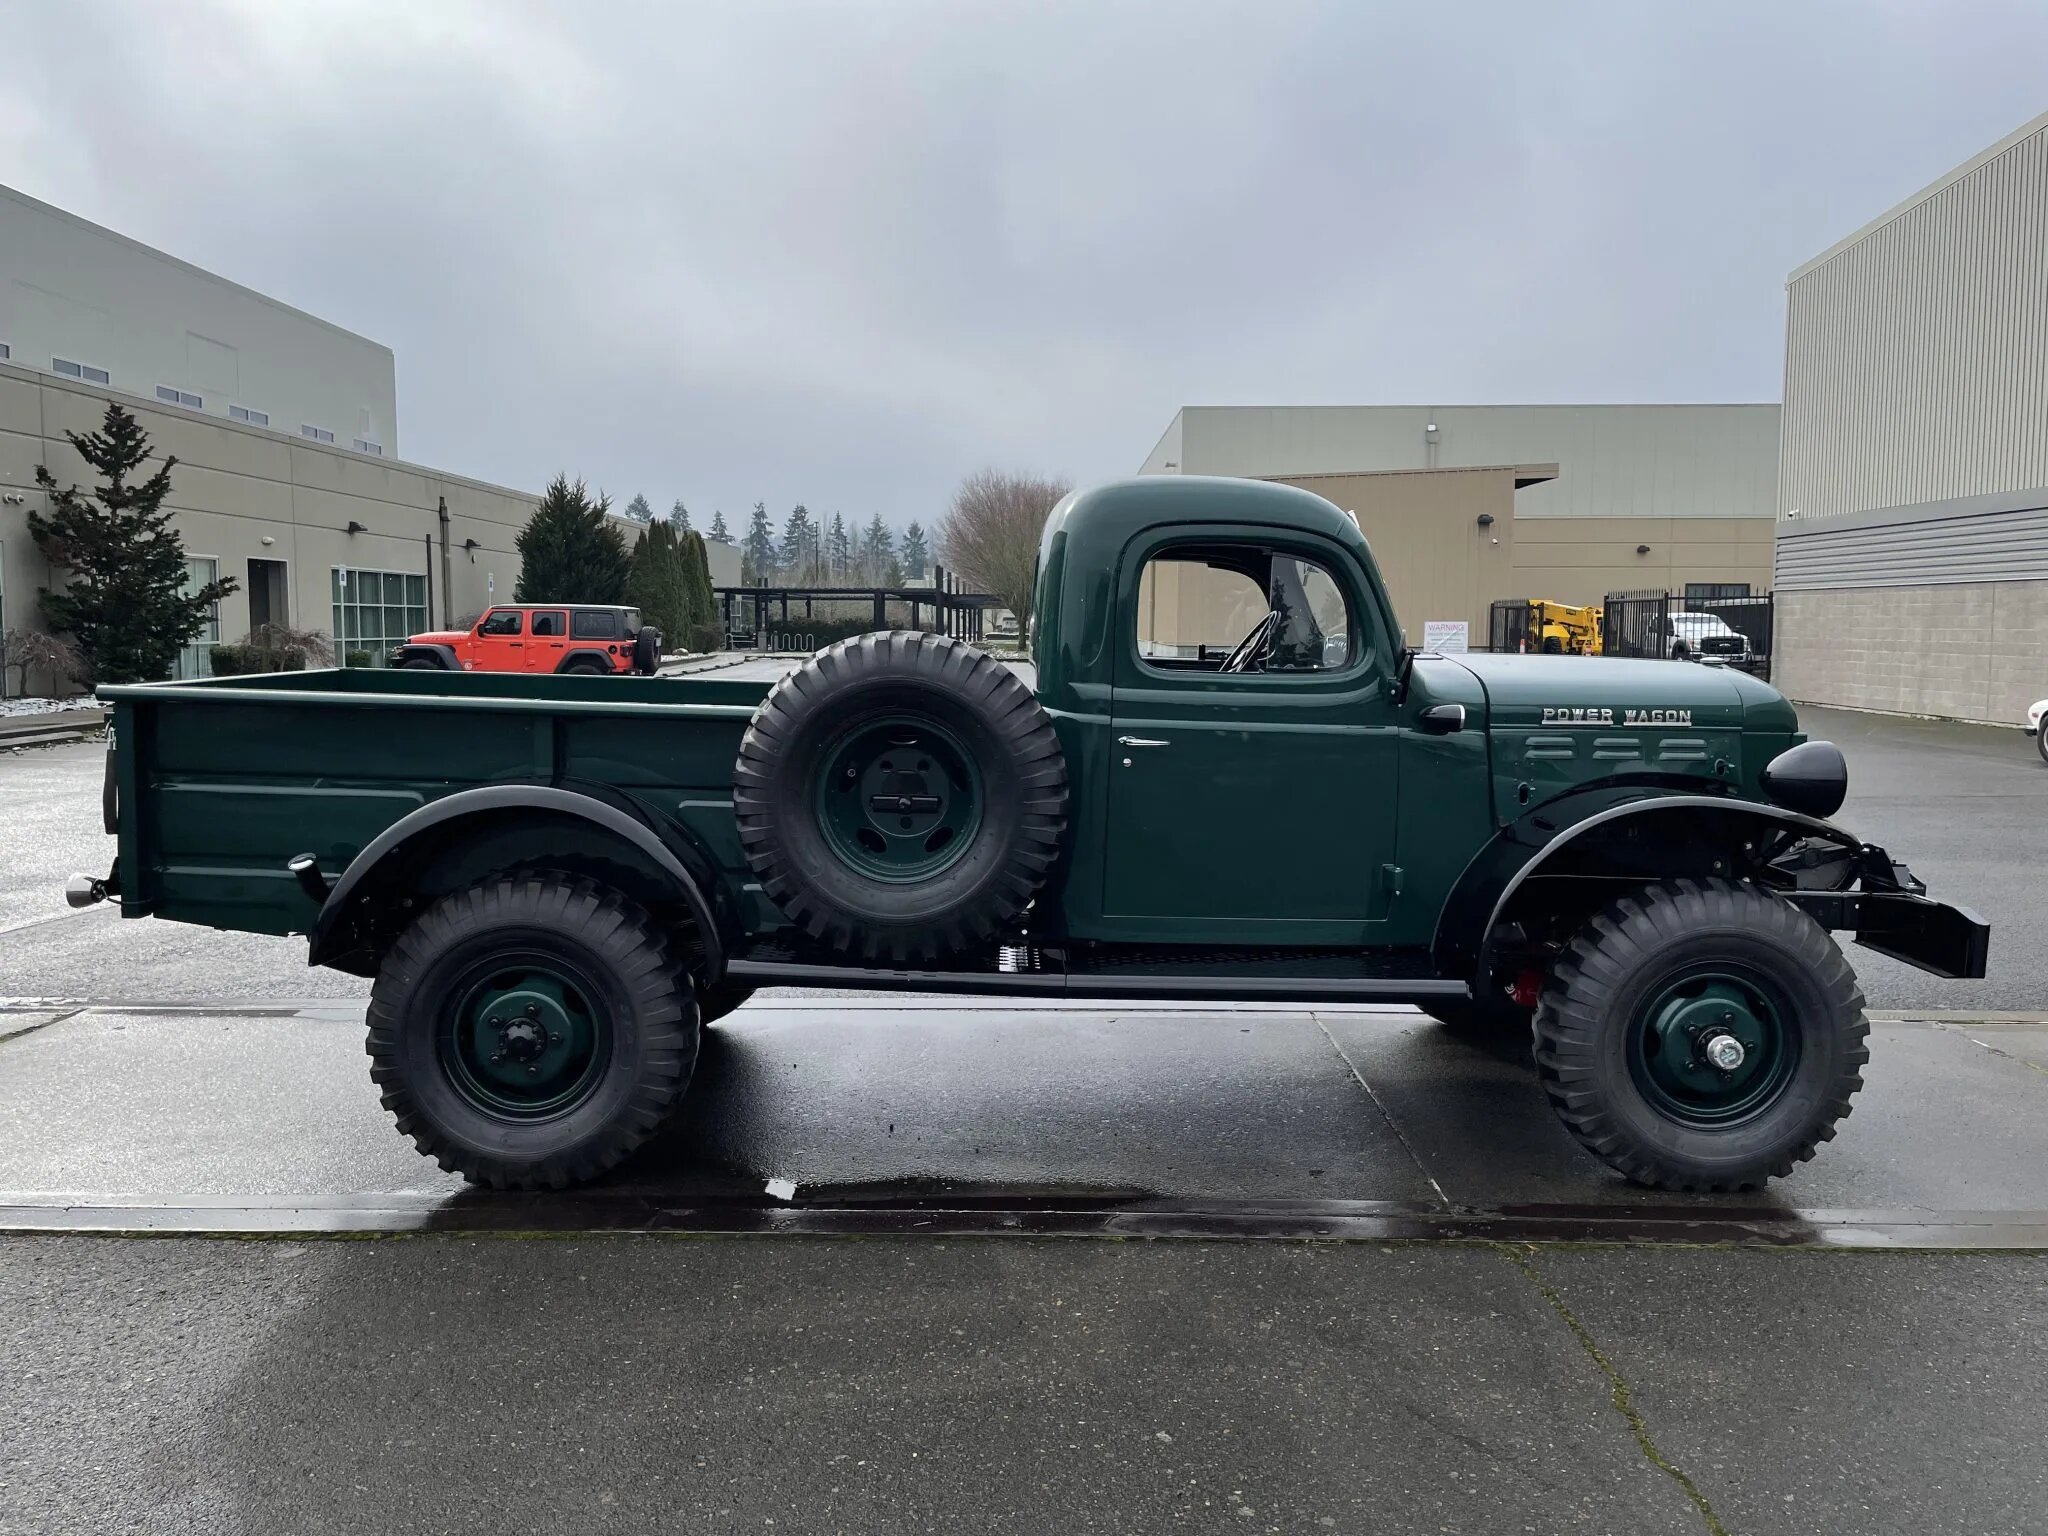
(1754,618)
(1636,624)
(1507,626)
(811,618)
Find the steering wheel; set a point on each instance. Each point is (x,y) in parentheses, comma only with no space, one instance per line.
(1246,652)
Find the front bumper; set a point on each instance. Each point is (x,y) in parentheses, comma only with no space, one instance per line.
(1889,912)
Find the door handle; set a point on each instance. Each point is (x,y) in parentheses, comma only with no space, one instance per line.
(1141,741)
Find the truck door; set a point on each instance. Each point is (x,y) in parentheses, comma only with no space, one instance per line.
(1253,774)
(501,641)
(550,640)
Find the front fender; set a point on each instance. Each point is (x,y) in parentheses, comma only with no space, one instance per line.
(334,936)
(1465,934)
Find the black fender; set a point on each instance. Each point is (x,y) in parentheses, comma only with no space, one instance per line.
(588,653)
(1466,928)
(441,655)
(335,937)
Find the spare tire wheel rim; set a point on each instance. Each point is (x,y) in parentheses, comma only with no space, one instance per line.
(899,798)
(526,1038)
(1713,1046)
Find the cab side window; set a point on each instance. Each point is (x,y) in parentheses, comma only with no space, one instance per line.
(1242,608)
(504,622)
(547,624)
(594,625)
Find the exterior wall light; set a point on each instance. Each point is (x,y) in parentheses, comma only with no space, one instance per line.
(1642,549)
(355,527)
(1486,519)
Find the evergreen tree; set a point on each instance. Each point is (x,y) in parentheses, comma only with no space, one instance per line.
(658,585)
(718,528)
(680,516)
(757,549)
(877,550)
(800,545)
(569,552)
(916,553)
(638,510)
(838,558)
(704,632)
(124,599)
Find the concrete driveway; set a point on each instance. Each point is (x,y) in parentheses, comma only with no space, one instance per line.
(1044,1269)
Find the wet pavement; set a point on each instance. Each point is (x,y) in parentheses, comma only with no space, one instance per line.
(893,1349)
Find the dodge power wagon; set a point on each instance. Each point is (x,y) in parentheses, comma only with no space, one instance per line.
(557,881)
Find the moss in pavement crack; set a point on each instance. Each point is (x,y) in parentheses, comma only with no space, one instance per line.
(1624,1398)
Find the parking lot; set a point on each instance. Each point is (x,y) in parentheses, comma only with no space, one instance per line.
(1457,1321)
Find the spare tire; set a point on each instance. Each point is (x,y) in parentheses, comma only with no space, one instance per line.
(647,651)
(901,796)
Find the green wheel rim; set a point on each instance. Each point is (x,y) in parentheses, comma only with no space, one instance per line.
(1681,1058)
(526,1038)
(899,798)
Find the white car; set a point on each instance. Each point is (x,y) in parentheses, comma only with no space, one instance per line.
(1704,637)
(2035,712)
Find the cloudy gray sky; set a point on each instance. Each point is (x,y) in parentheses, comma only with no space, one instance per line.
(845,253)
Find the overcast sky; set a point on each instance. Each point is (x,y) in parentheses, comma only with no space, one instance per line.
(845,253)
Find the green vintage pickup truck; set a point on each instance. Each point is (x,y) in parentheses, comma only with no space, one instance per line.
(556,881)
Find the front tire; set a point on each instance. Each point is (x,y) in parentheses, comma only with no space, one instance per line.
(531,1031)
(1633,1030)
(2041,739)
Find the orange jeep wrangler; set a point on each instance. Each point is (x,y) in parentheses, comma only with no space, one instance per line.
(539,637)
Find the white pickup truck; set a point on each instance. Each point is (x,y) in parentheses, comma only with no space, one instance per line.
(1704,637)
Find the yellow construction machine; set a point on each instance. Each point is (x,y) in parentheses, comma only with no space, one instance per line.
(1564,629)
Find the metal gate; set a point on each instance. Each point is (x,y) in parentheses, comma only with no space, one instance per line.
(1507,625)
(1636,624)
(1751,617)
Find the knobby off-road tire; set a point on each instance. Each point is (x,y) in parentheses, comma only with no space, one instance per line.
(531,1031)
(901,796)
(1631,1006)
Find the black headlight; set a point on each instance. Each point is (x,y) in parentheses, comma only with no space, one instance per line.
(1811,779)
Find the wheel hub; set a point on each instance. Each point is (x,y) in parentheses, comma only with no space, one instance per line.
(524,1043)
(900,798)
(1709,1048)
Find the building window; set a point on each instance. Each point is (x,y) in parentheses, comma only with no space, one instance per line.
(254,418)
(318,434)
(5,351)
(195,656)
(71,370)
(375,610)
(1714,591)
(364,446)
(186,398)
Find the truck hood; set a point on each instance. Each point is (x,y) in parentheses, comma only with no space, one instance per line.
(1561,724)
(439,637)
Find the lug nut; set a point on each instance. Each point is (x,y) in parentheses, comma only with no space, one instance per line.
(533,1071)
(497,1057)
(554,1037)
(495,1023)
(533,1010)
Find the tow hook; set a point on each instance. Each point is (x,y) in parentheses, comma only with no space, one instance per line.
(85,891)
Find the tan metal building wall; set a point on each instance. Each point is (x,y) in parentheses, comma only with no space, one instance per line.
(1914,476)
(1916,349)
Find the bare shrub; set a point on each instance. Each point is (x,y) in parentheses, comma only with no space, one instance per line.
(989,535)
(58,661)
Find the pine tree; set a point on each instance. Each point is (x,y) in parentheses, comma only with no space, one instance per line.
(838,550)
(916,553)
(124,599)
(877,551)
(718,528)
(800,545)
(657,586)
(569,552)
(638,510)
(680,516)
(704,631)
(757,550)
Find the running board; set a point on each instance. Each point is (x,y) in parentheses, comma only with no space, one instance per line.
(1210,984)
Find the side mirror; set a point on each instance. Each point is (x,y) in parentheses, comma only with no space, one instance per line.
(1442,719)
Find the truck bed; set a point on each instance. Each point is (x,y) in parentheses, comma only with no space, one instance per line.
(222,781)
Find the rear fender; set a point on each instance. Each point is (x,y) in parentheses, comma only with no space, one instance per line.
(383,884)
(587,655)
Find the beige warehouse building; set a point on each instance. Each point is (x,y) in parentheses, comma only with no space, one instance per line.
(285,430)
(1912,550)
(1465,505)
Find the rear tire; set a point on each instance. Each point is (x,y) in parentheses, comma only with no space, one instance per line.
(531,1031)
(901,796)
(1637,1003)
(2041,739)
